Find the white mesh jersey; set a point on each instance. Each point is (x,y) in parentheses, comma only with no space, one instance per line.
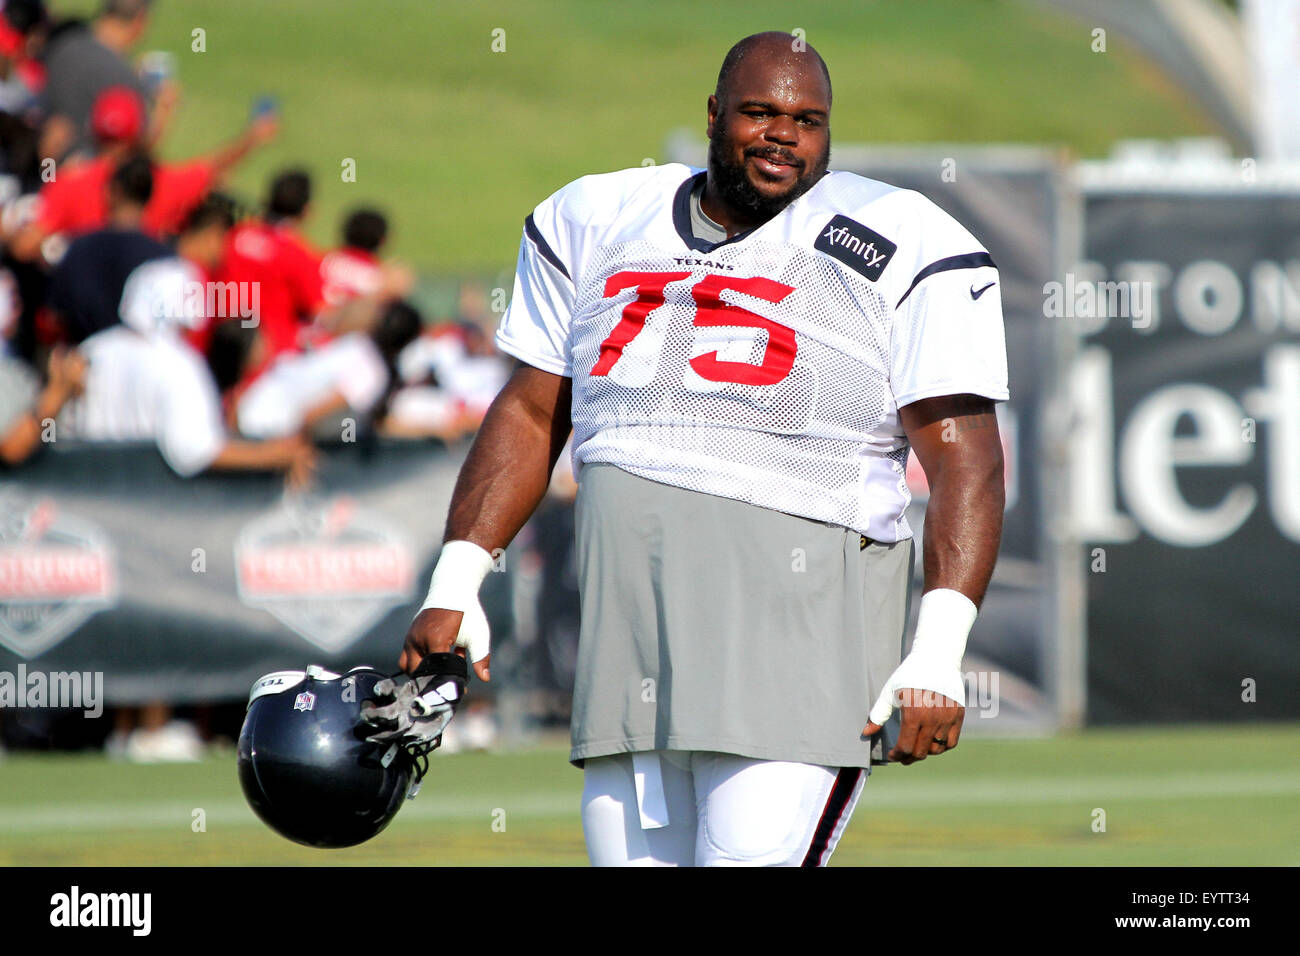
(769,367)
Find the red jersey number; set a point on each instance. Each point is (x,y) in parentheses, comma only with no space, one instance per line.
(711,310)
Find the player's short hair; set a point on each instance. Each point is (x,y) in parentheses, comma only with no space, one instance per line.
(365,229)
(290,194)
(228,347)
(23,15)
(397,327)
(124,9)
(133,179)
(216,209)
(738,53)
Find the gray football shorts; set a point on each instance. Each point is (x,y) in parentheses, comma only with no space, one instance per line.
(713,624)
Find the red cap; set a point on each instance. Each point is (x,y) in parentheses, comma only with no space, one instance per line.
(118,114)
(11,40)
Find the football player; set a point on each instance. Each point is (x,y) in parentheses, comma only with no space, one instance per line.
(745,354)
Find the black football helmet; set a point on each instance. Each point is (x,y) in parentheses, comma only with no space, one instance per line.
(307,769)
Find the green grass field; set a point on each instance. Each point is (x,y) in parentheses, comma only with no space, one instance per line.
(460,142)
(1202,796)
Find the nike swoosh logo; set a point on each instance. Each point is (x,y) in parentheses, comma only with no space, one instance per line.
(976,295)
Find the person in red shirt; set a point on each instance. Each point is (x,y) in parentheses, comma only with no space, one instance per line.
(76,200)
(354,270)
(270,256)
(273,258)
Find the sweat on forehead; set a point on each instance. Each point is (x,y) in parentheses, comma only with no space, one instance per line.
(775,49)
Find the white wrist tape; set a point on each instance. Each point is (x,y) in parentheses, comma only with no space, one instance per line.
(942,626)
(459,573)
(934,663)
(457,576)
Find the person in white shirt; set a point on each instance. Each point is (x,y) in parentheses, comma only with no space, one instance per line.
(25,405)
(146,382)
(352,373)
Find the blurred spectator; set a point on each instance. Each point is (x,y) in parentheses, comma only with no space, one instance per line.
(355,269)
(352,374)
(145,382)
(81,62)
(271,255)
(201,243)
(21,77)
(24,405)
(76,200)
(87,286)
(21,25)
(427,411)
(460,362)
(202,239)
(233,351)
(148,734)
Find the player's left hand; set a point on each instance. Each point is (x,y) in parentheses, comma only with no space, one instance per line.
(931,725)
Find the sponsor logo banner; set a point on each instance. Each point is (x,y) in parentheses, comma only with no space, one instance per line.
(328,569)
(56,570)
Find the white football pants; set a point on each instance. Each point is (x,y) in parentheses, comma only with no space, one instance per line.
(695,808)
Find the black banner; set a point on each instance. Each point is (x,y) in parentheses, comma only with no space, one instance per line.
(189,590)
(1187,451)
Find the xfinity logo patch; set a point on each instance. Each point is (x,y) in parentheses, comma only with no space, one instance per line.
(861,249)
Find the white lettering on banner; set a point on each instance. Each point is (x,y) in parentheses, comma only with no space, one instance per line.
(1150,451)
(1278,403)
(1093,476)
(1275,296)
(1209,297)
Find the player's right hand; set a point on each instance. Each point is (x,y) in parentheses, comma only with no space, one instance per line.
(416,709)
(438,630)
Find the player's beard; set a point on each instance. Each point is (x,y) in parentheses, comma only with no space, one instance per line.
(737,191)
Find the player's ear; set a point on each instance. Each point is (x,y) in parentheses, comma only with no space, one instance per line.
(713,114)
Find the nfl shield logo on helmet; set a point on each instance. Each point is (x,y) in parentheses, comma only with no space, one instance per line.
(304,701)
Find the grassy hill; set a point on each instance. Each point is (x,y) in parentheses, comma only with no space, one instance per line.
(460,141)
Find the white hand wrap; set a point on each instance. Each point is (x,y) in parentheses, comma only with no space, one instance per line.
(934,663)
(457,576)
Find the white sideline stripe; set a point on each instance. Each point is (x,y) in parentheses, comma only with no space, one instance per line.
(161,816)
(75,817)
